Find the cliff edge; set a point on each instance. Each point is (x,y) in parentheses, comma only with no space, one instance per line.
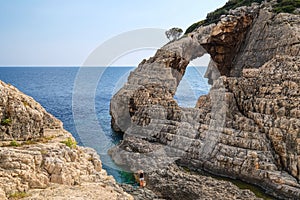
(40,160)
(247,127)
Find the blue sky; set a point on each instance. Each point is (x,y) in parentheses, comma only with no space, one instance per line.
(65,32)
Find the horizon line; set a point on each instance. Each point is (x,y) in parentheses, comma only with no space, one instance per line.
(77,66)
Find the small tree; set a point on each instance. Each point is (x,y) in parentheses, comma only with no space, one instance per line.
(174,33)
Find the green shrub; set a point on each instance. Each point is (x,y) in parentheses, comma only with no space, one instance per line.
(25,103)
(14,143)
(6,121)
(286,6)
(284,9)
(29,142)
(18,195)
(194,26)
(70,142)
(46,139)
(44,152)
(214,16)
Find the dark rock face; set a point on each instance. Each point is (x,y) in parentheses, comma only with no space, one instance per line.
(247,127)
(227,38)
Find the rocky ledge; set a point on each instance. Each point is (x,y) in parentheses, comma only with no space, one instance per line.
(247,127)
(40,160)
(173,182)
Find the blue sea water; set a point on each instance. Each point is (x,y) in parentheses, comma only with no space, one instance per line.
(56,89)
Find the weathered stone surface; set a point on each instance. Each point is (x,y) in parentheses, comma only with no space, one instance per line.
(22,118)
(246,127)
(30,168)
(271,99)
(156,80)
(270,35)
(189,186)
(38,163)
(228,36)
(89,190)
(172,182)
(141,193)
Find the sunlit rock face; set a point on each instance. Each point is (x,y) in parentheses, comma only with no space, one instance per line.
(22,118)
(39,159)
(247,127)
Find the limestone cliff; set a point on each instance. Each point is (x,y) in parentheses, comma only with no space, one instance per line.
(21,117)
(40,160)
(247,127)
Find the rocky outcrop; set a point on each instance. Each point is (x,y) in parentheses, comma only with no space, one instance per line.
(270,35)
(227,37)
(173,182)
(193,186)
(249,37)
(141,193)
(105,190)
(22,118)
(39,159)
(274,108)
(247,127)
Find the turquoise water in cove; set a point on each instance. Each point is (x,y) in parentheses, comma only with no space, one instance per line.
(54,89)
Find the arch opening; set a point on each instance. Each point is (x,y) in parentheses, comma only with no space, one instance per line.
(193,84)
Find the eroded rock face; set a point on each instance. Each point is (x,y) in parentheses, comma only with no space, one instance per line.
(55,171)
(246,127)
(35,161)
(270,97)
(227,37)
(270,35)
(22,118)
(36,166)
(250,37)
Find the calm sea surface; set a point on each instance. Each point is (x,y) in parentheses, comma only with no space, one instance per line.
(54,89)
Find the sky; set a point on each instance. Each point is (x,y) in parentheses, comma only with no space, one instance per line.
(67,32)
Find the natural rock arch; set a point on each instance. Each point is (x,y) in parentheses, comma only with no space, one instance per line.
(237,130)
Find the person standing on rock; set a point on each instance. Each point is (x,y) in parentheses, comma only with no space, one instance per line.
(141,178)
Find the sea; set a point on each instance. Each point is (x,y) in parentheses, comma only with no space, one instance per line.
(80,98)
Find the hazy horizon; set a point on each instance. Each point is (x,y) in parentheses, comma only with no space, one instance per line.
(65,33)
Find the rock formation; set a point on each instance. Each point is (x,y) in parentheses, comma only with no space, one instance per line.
(173,182)
(247,127)
(39,159)
(21,117)
(193,186)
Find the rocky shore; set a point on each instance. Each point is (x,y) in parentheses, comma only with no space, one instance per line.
(173,182)
(247,127)
(40,160)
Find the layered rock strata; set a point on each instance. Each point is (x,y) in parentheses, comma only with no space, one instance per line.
(40,160)
(247,127)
